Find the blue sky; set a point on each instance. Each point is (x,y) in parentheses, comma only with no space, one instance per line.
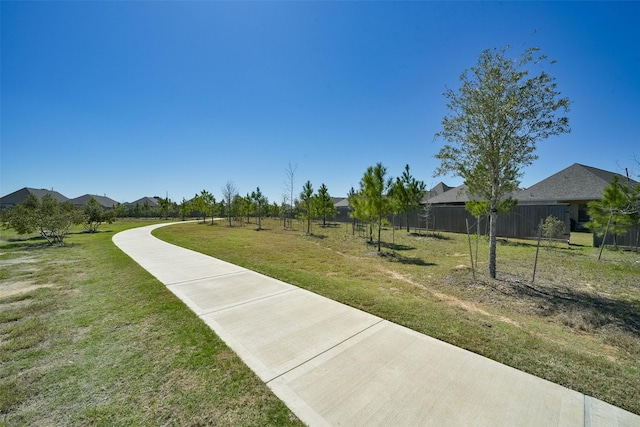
(133,99)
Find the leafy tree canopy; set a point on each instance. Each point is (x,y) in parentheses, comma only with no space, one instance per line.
(95,215)
(46,216)
(496,117)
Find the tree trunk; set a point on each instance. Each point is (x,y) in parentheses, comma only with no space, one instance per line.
(493,222)
(407,219)
(379,230)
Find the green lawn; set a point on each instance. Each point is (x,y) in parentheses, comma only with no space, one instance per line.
(578,325)
(87,337)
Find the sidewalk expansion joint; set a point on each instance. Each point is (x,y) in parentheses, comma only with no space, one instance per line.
(197,279)
(323,352)
(587,411)
(249,301)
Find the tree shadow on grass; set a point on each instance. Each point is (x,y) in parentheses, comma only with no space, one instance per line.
(330,225)
(580,310)
(316,236)
(397,247)
(396,257)
(437,236)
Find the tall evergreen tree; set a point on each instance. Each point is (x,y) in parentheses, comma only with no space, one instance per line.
(372,197)
(325,204)
(306,200)
(410,195)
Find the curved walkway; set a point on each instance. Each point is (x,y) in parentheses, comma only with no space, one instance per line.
(334,365)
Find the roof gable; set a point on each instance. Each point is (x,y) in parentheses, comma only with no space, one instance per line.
(577,182)
(21,195)
(151,201)
(437,190)
(459,194)
(104,201)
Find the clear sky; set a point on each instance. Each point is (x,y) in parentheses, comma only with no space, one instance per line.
(133,99)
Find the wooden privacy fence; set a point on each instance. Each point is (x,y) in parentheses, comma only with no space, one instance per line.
(629,240)
(522,222)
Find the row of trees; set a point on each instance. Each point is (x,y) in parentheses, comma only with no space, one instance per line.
(52,219)
(380,196)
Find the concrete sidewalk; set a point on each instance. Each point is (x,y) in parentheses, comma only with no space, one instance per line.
(333,365)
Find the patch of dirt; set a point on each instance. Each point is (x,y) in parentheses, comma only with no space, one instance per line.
(20,260)
(9,289)
(449,299)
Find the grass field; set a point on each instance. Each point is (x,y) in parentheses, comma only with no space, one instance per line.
(577,325)
(87,337)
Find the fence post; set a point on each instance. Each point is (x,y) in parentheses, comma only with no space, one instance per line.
(535,264)
(604,238)
(473,270)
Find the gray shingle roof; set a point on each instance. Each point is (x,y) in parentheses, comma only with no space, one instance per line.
(104,201)
(577,182)
(20,196)
(456,195)
(151,201)
(437,190)
(341,202)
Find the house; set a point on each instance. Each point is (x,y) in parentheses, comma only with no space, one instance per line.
(437,190)
(152,202)
(145,204)
(442,194)
(451,196)
(104,201)
(576,186)
(564,195)
(19,196)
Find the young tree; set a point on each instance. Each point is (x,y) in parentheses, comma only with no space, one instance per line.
(617,211)
(553,229)
(360,211)
(274,210)
(397,198)
(260,201)
(163,207)
(237,207)
(325,205)
(146,209)
(198,205)
(96,215)
(495,120)
(228,193)
(46,216)
(137,210)
(247,207)
(374,202)
(289,189)
(208,204)
(185,208)
(306,199)
(410,195)
(120,210)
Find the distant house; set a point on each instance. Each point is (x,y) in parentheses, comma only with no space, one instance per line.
(12,199)
(148,202)
(445,195)
(442,194)
(104,201)
(576,186)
